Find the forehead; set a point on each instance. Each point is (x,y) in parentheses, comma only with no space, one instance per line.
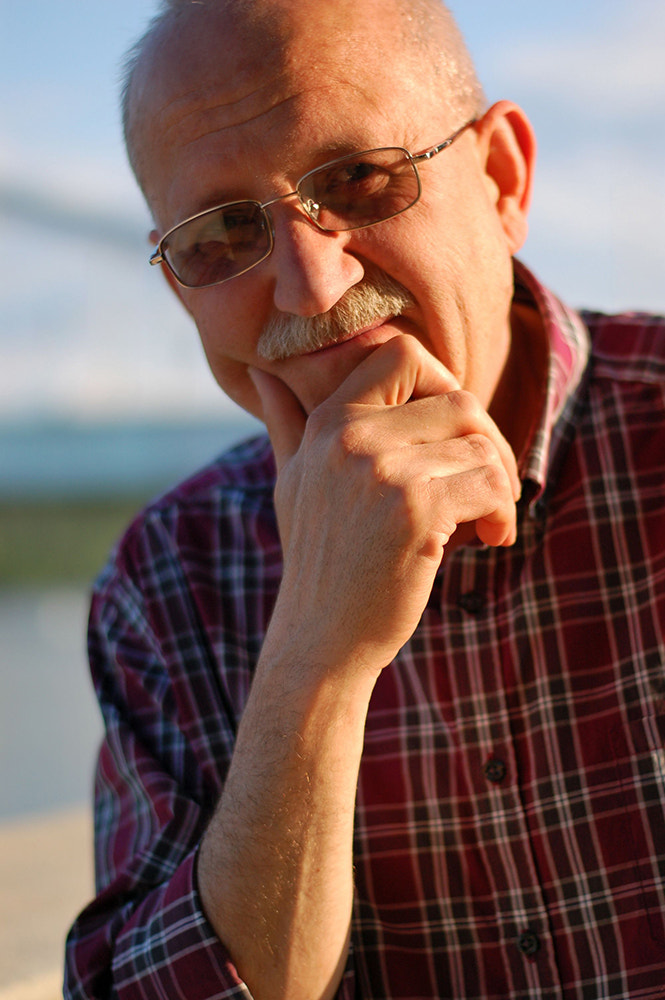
(218,96)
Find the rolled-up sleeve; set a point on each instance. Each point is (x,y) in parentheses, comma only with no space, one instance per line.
(170,714)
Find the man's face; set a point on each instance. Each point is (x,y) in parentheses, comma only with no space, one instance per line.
(231,119)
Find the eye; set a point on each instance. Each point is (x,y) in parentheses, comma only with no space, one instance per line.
(355,179)
(218,244)
(235,224)
(213,249)
(221,236)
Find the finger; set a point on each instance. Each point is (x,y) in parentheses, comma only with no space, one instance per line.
(496,530)
(402,371)
(397,371)
(282,414)
(471,472)
(434,422)
(439,459)
(472,421)
(482,495)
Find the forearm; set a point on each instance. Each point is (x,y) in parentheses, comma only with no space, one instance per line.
(365,508)
(275,869)
(148,932)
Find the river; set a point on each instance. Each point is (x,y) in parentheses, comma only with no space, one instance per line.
(49,722)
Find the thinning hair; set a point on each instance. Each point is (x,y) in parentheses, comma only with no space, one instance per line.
(429,30)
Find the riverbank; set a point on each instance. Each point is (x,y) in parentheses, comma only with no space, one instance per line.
(52,541)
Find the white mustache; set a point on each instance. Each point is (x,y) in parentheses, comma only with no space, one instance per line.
(376,297)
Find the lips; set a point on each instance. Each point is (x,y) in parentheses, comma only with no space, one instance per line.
(355,335)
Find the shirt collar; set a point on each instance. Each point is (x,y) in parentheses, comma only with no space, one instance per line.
(568,354)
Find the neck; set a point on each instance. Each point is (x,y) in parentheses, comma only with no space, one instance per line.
(518,400)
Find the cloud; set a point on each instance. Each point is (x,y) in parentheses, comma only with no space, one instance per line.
(77,174)
(597,222)
(90,331)
(44,209)
(620,198)
(616,71)
(87,328)
(592,79)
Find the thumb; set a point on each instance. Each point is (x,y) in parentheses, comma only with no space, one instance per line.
(283,415)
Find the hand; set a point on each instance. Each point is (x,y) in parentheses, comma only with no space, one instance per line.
(370,490)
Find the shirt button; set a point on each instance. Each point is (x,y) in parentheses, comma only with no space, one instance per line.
(528,943)
(473,602)
(495,770)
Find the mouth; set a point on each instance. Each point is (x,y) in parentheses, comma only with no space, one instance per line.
(314,375)
(363,333)
(366,307)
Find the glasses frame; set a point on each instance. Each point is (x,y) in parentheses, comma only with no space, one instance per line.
(158,255)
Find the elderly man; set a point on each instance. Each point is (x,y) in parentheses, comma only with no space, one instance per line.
(398,732)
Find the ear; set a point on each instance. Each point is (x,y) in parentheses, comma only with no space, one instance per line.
(508,146)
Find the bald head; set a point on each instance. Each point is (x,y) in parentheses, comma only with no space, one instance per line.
(420,33)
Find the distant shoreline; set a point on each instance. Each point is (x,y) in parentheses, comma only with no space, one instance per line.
(68,489)
(66,460)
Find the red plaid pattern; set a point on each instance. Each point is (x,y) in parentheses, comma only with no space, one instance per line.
(510,831)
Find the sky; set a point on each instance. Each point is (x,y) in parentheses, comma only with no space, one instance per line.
(89,332)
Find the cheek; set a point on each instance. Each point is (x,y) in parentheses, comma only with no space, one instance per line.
(395,247)
(228,353)
(232,378)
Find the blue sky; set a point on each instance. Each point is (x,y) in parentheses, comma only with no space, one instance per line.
(88,331)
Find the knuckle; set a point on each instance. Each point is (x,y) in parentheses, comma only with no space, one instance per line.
(464,401)
(494,479)
(483,449)
(465,404)
(406,511)
(370,468)
(355,452)
(339,440)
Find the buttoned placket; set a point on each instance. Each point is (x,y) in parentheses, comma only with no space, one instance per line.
(470,577)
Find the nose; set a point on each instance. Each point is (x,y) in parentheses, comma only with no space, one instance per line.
(312,269)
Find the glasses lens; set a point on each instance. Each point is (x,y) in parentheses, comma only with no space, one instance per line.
(361,189)
(218,245)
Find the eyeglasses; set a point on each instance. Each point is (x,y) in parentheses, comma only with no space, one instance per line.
(352,192)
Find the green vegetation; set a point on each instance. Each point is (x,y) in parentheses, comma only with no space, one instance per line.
(59,540)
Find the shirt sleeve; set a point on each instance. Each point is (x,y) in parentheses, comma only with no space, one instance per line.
(169,733)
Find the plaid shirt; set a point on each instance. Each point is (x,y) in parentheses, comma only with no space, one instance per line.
(510,825)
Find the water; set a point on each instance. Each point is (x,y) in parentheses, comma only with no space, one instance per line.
(50,725)
(60,459)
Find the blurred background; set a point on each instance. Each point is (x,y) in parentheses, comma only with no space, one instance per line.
(105,398)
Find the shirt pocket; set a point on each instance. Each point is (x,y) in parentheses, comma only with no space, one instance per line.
(639,752)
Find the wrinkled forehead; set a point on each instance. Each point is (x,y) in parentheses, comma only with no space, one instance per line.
(199,53)
(209,68)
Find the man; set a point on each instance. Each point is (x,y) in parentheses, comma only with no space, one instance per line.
(400,734)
